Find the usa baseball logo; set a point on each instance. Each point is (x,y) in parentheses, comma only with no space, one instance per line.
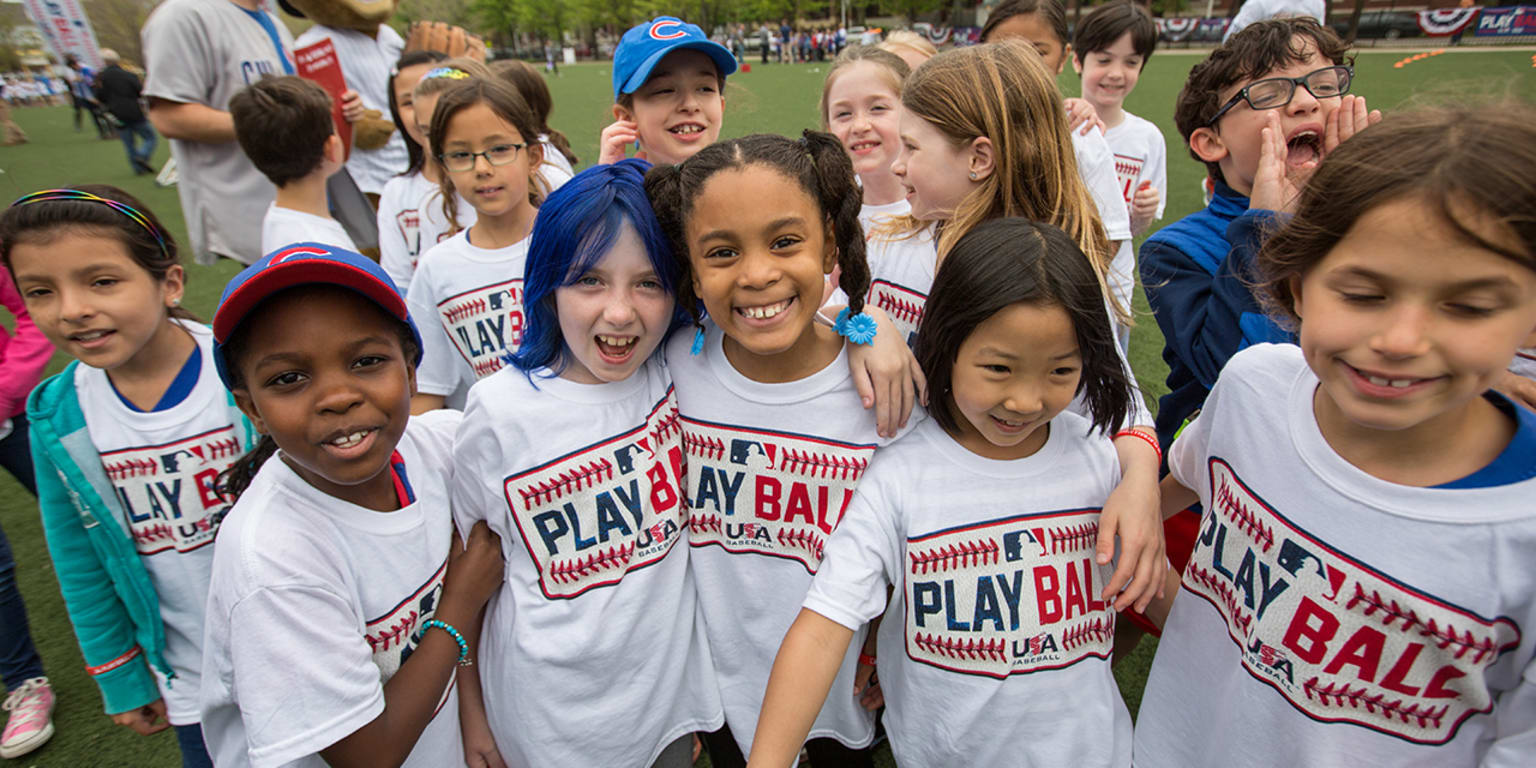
(167,491)
(485,324)
(1340,641)
(1128,170)
(658,30)
(592,516)
(1008,596)
(903,304)
(768,493)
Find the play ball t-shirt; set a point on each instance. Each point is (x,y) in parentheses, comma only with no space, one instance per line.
(468,303)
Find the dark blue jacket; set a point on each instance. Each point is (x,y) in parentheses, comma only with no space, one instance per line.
(1197,273)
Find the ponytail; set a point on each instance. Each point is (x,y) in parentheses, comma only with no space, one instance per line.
(233,481)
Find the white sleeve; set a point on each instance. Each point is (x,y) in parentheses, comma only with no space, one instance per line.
(861,559)
(1155,169)
(438,373)
(394,251)
(176,56)
(1096,165)
(1187,455)
(1514,725)
(303,674)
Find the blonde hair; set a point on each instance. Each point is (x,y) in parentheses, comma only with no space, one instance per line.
(1003,92)
(893,71)
(906,39)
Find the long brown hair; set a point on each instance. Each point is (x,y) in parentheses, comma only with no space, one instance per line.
(529,82)
(1470,165)
(503,100)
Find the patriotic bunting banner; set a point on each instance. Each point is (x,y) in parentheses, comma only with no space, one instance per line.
(1446,21)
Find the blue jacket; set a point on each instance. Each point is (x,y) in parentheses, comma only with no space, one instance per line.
(107,591)
(1196,273)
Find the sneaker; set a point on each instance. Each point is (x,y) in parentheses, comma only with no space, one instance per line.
(31,723)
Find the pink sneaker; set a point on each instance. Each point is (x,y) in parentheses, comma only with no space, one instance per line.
(31,723)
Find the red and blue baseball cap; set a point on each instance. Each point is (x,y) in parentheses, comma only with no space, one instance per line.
(303,264)
(643,46)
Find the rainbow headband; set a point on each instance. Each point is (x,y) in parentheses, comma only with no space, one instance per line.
(49,195)
(452,73)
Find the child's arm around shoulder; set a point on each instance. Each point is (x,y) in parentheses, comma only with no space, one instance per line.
(885,373)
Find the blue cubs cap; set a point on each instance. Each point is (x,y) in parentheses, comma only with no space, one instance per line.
(303,264)
(644,45)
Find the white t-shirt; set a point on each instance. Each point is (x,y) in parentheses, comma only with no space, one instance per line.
(411,221)
(1332,617)
(366,62)
(1140,155)
(554,158)
(202,52)
(871,216)
(583,483)
(163,465)
(771,468)
(286,226)
(468,303)
(995,648)
(1096,165)
(554,174)
(314,605)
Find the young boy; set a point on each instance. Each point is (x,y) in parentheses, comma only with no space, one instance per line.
(284,126)
(1109,51)
(1196,271)
(668,92)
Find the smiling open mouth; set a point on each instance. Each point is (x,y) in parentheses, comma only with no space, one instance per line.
(766,311)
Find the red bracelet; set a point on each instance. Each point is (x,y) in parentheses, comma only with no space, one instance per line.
(866,659)
(1148,439)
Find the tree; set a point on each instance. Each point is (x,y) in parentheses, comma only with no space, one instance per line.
(1354,22)
(117,24)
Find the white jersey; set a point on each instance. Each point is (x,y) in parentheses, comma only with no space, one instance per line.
(366,62)
(163,465)
(1096,165)
(771,468)
(202,52)
(871,216)
(411,221)
(1140,155)
(315,604)
(286,226)
(584,485)
(1332,617)
(995,648)
(468,303)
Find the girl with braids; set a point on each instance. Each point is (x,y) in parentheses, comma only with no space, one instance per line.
(126,441)
(772,430)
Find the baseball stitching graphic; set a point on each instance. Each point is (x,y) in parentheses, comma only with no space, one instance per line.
(167,491)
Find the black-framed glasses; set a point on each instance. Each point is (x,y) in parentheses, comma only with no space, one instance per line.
(461,160)
(1276,92)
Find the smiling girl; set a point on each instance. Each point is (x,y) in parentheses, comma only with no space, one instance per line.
(860,102)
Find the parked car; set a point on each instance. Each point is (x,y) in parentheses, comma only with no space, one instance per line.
(1390,25)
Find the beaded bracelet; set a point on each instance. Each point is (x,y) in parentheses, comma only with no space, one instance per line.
(1150,440)
(457,638)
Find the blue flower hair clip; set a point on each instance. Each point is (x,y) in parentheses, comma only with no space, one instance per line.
(858,329)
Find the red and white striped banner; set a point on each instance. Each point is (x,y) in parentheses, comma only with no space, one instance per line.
(1446,21)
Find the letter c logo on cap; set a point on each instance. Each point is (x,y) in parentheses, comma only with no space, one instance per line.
(297,251)
(659,30)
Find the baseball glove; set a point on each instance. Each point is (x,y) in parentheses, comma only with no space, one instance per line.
(445,38)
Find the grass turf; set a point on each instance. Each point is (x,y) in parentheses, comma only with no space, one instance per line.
(771,98)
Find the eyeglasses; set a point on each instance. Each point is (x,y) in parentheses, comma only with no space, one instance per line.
(1276,92)
(459,160)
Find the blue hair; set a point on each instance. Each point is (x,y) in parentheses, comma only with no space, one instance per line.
(576,226)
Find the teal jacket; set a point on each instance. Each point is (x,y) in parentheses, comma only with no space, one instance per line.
(107,591)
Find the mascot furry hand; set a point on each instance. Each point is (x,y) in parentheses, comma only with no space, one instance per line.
(374,128)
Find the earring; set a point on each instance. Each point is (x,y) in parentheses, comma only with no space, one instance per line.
(176,302)
(973,175)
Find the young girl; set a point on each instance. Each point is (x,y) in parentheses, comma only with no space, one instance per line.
(1362,583)
(984,522)
(339,586)
(126,446)
(772,430)
(405,200)
(469,293)
(975,152)
(1042,25)
(575,460)
(860,103)
(531,86)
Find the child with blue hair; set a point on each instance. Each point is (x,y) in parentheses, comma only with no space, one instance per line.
(590,651)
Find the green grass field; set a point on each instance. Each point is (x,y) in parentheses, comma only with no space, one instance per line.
(771,98)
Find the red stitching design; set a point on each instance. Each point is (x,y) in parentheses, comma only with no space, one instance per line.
(488,366)
(1337,695)
(902,309)
(1444,636)
(703,446)
(704,523)
(394,634)
(219,449)
(971,650)
(822,465)
(464,309)
(127,468)
(1224,590)
(1096,631)
(1246,521)
(1073,537)
(963,555)
(802,539)
(584,476)
(152,533)
(668,422)
(580,568)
